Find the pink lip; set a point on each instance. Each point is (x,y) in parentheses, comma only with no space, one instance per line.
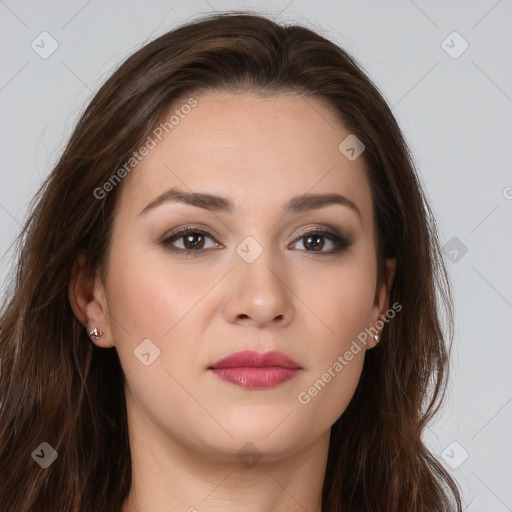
(250,369)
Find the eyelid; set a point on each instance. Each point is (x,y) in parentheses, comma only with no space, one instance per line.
(317,229)
(196,228)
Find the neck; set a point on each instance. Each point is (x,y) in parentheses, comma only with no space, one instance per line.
(169,475)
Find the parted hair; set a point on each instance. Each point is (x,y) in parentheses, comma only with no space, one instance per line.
(56,386)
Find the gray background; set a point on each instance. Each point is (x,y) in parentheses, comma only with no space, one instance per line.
(456,114)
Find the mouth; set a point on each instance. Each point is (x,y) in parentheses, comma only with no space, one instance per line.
(252,370)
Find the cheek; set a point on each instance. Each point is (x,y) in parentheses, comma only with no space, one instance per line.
(343,299)
(327,394)
(149,301)
(344,304)
(147,295)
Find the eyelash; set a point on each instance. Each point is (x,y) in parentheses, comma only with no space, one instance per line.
(340,242)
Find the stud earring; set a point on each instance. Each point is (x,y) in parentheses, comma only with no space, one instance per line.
(376,336)
(96,334)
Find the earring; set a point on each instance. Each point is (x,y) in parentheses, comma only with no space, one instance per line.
(96,334)
(376,336)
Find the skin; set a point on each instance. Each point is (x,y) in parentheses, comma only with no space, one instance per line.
(186,425)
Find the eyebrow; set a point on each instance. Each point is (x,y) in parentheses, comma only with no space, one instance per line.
(297,204)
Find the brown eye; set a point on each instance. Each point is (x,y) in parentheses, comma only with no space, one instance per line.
(193,241)
(314,241)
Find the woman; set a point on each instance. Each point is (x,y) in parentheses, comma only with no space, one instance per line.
(229,292)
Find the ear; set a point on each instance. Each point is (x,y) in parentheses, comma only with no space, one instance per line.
(88,301)
(381,303)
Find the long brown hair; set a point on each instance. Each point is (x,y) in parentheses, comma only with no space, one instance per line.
(58,387)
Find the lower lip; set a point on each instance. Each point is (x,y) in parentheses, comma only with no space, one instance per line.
(253,378)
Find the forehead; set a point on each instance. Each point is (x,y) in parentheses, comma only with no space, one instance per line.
(259,151)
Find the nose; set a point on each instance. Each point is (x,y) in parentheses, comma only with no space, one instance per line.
(259,293)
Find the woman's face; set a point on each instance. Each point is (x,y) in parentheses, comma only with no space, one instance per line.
(255,273)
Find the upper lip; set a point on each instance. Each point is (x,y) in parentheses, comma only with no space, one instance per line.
(256,360)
